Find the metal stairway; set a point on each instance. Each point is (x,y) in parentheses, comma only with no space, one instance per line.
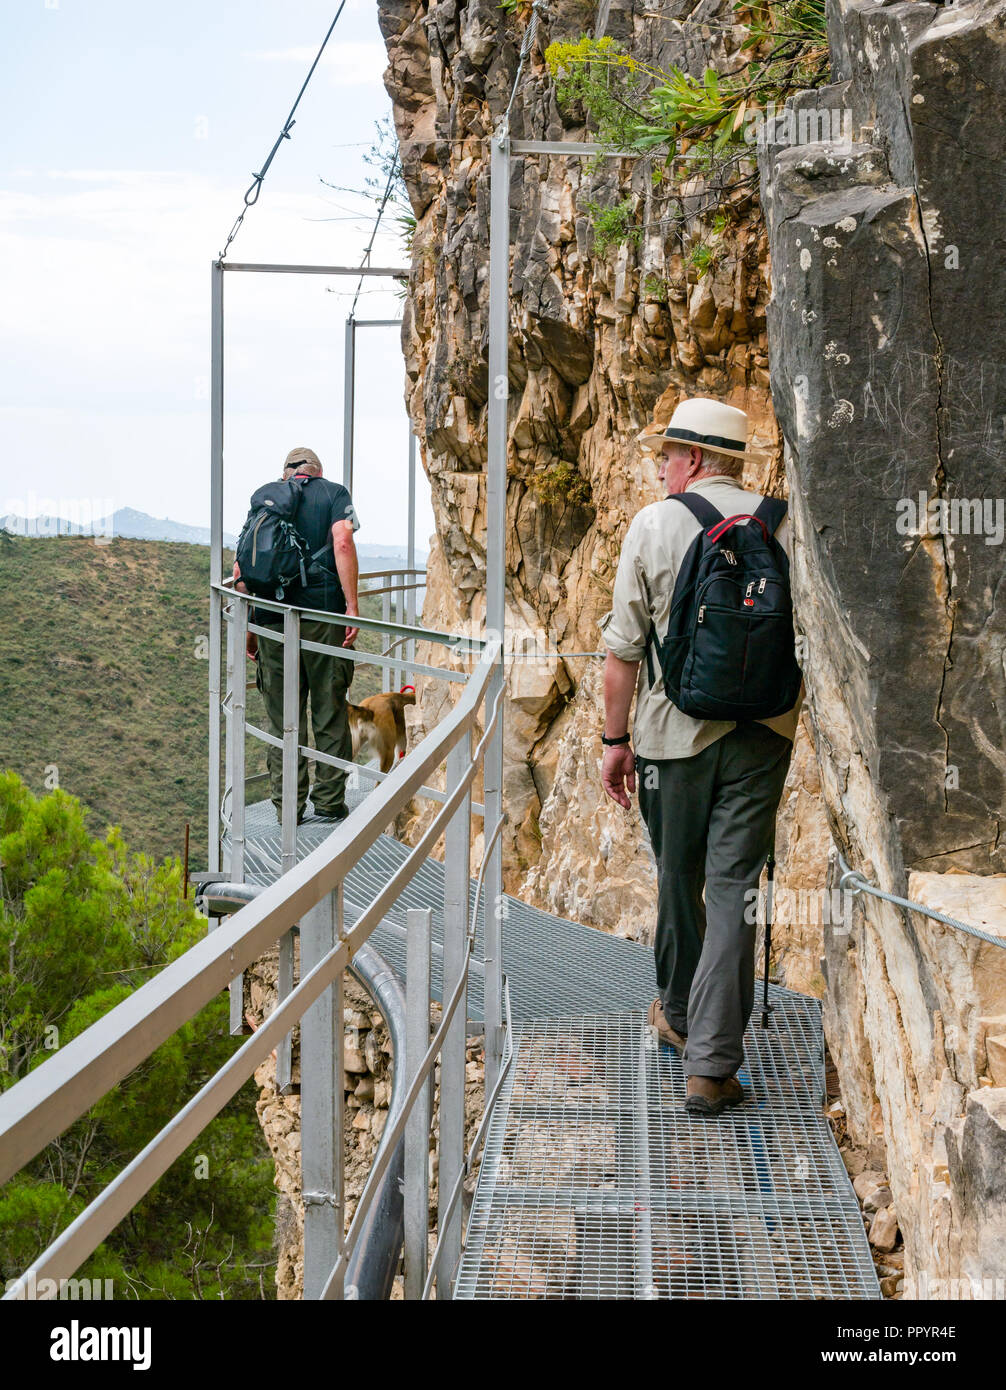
(594,1182)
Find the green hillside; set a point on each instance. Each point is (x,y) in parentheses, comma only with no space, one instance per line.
(103,682)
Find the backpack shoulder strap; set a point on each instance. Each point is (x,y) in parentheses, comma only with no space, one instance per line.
(772,511)
(701,509)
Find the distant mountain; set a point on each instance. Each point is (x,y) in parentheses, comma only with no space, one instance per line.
(133,525)
(126,522)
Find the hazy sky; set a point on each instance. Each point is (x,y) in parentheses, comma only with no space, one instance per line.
(131,131)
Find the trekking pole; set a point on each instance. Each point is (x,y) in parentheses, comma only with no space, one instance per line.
(766,1007)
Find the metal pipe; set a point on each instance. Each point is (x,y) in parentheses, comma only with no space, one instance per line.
(496,481)
(448,639)
(417,1129)
(260,268)
(388,666)
(348,402)
(587,148)
(322,1034)
(373,1261)
(238,636)
(216,555)
(410,560)
(457,878)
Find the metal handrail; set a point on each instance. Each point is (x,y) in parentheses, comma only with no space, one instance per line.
(52,1097)
(473,644)
(427,841)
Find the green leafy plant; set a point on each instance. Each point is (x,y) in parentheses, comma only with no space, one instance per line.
(613,226)
(636,106)
(702,257)
(655,287)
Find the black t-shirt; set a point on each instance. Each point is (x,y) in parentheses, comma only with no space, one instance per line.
(322,504)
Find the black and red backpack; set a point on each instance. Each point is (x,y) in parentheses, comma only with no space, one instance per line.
(729,651)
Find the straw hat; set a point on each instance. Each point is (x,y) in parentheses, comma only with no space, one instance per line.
(706,423)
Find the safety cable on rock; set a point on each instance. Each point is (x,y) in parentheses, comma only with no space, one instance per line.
(530,33)
(255,188)
(853,882)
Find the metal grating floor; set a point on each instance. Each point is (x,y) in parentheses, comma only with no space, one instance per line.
(554,966)
(594,1183)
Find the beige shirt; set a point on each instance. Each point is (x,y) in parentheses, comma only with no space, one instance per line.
(655,545)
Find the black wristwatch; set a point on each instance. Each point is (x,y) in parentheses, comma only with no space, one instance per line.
(615,742)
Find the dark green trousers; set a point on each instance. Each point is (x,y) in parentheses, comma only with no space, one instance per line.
(324,680)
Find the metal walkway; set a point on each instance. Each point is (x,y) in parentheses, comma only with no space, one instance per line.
(554,966)
(594,1182)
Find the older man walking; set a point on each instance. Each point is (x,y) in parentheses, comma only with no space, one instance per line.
(700,630)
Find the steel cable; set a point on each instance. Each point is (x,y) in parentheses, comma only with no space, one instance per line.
(853,882)
(255,188)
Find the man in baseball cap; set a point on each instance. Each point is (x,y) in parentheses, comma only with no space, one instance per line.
(326,519)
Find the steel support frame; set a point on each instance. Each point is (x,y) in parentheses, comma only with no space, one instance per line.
(502,148)
(217,271)
(399,675)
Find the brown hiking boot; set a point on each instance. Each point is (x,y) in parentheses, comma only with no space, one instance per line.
(709,1095)
(655,1018)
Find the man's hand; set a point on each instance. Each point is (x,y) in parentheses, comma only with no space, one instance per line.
(352,633)
(251,646)
(618,774)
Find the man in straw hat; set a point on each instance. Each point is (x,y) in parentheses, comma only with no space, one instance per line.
(326,519)
(708,788)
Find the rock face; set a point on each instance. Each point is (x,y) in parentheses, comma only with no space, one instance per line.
(889,387)
(597,340)
(886,382)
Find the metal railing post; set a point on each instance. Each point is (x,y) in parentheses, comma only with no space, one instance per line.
(291,735)
(288,819)
(348,403)
(457,879)
(400,619)
(386,618)
(417,1130)
(321,1101)
(496,488)
(410,560)
(238,637)
(216,556)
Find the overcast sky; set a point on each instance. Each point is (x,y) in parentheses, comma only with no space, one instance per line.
(131,131)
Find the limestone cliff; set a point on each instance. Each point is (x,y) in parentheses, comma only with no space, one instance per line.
(887,339)
(597,341)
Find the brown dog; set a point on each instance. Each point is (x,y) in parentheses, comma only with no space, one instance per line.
(378,726)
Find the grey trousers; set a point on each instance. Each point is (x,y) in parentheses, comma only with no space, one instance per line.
(711,821)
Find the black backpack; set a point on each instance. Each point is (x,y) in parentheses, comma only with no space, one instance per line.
(729,652)
(271,553)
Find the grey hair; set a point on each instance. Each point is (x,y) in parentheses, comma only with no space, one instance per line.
(721,465)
